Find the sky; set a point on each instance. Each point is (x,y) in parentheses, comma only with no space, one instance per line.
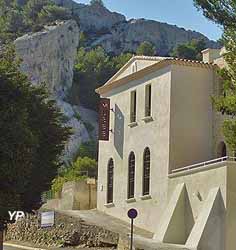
(179,12)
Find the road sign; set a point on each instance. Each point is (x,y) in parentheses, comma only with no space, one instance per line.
(47,219)
(132,214)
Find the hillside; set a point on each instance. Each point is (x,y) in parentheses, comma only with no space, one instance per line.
(115,34)
(73,69)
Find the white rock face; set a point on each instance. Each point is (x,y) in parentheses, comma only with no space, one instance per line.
(48,57)
(129,35)
(92,17)
(115,34)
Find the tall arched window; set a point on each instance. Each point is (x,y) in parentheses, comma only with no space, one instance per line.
(131,175)
(146,171)
(110,176)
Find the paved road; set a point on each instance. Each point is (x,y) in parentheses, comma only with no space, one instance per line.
(13,248)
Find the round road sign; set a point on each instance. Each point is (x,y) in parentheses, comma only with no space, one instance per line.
(132,213)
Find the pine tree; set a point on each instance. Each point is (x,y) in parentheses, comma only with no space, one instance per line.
(32,139)
(223,12)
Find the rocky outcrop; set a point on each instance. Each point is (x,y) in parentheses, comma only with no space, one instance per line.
(93,17)
(129,35)
(48,57)
(112,31)
(67,231)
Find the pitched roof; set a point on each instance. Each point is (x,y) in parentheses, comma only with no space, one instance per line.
(161,63)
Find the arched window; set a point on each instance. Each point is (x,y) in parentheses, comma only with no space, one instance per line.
(221,150)
(131,175)
(146,171)
(110,176)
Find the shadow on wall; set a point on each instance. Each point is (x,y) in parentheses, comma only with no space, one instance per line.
(119,131)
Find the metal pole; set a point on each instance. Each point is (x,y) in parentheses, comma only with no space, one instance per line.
(1,239)
(131,235)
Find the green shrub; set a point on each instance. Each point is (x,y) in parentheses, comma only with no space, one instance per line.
(78,116)
(89,127)
(88,149)
(82,168)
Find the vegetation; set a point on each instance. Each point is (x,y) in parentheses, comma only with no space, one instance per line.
(92,69)
(223,12)
(88,149)
(32,139)
(83,167)
(146,49)
(94,2)
(20,17)
(191,50)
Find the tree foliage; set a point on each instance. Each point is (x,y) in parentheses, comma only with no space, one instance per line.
(20,17)
(92,69)
(191,50)
(224,12)
(82,168)
(146,49)
(32,139)
(98,2)
(88,149)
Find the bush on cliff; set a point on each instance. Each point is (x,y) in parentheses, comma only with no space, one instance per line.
(191,50)
(92,69)
(20,17)
(82,168)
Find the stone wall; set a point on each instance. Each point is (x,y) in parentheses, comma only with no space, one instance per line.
(67,231)
(79,195)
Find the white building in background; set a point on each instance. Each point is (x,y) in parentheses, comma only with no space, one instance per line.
(158,159)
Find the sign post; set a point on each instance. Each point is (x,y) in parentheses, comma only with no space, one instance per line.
(132,214)
(47,219)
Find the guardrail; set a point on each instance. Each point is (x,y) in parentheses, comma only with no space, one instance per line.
(205,163)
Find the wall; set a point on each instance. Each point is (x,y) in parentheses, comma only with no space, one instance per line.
(79,195)
(199,182)
(191,115)
(154,134)
(231,208)
(141,64)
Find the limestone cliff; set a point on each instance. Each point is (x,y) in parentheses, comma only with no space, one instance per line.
(116,34)
(48,57)
(93,17)
(129,35)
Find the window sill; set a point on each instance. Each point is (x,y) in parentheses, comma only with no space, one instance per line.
(146,197)
(108,205)
(131,200)
(133,124)
(147,119)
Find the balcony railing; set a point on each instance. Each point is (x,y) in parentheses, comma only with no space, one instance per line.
(205,163)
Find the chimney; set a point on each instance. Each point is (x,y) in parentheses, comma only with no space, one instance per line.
(209,55)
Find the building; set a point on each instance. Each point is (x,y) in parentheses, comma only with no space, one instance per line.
(166,155)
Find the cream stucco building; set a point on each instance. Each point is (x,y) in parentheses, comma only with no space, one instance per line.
(166,154)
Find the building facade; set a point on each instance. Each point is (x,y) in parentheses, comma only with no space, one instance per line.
(163,133)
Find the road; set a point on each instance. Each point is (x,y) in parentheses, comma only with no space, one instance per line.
(13,248)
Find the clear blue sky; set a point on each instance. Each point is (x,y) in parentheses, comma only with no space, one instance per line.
(179,12)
